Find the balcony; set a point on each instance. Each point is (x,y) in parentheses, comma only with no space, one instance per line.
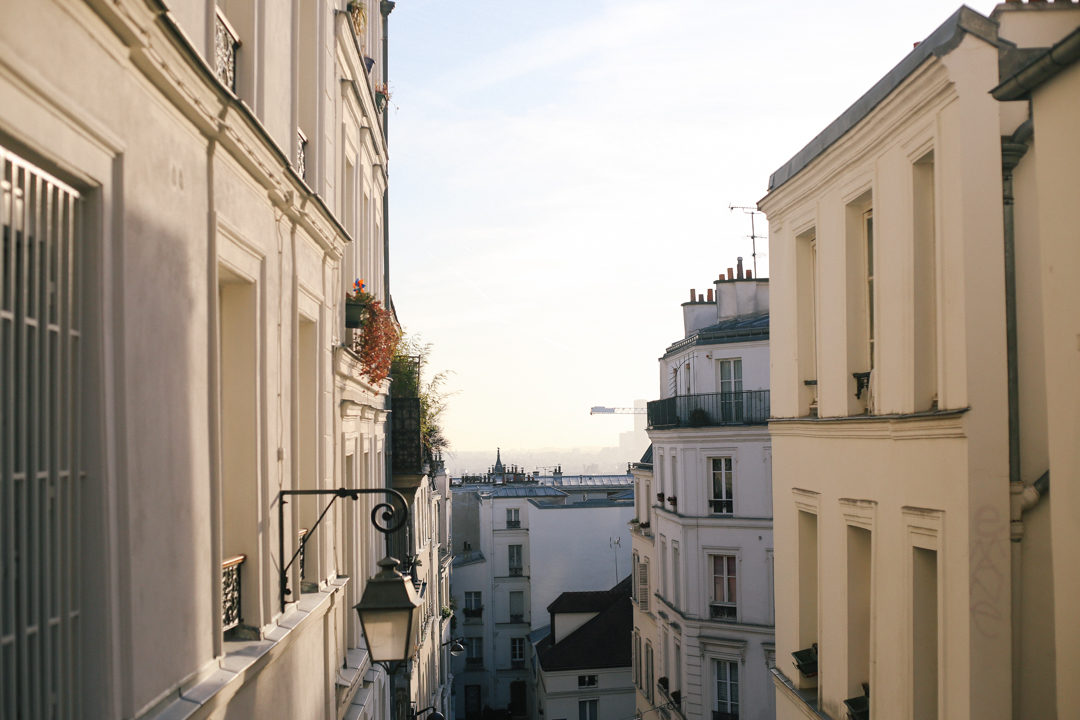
(750,407)
(517,617)
(517,664)
(473,613)
(513,524)
(516,572)
(226,43)
(407,454)
(230,592)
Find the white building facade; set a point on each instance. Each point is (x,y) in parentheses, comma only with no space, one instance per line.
(915,537)
(186,195)
(702,542)
(526,546)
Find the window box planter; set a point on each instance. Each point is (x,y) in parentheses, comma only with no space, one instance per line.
(806,661)
(354,313)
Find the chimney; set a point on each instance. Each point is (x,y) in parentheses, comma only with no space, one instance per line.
(693,294)
(749,274)
(700,297)
(740,268)
(730,274)
(710,295)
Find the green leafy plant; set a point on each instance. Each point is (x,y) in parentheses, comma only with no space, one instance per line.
(407,382)
(378,336)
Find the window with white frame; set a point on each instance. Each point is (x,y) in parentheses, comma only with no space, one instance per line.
(588,709)
(474,650)
(676,579)
(643,584)
(586,681)
(649,670)
(726,700)
(662,586)
(515,563)
(41,478)
(513,517)
(722,491)
(517,650)
(473,600)
(730,385)
(722,600)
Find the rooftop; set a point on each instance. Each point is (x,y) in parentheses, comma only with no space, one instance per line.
(602,642)
(938,43)
(737,329)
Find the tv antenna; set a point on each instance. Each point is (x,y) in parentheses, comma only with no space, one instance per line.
(751,211)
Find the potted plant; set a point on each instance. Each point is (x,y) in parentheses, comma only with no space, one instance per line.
(378,334)
(382,96)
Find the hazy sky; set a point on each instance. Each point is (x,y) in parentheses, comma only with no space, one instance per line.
(561,172)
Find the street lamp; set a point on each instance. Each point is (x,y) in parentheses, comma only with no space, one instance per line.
(386,613)
(456,647)
(436,715)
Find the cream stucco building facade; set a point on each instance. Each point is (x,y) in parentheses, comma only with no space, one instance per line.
(912,395)
(702,536)
(188,191)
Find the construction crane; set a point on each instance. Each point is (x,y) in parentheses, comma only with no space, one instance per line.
(601,410)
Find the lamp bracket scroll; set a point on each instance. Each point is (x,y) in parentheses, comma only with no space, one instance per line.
(387,517)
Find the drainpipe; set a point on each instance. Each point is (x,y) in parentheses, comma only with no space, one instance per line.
(1021,497)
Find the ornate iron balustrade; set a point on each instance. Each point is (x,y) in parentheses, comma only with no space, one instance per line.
(301,154)
(230,592)
(749,407)
(300,559)
(513,524)
(226,43)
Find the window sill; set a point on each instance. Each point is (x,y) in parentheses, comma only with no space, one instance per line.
(797,697)
(244,660)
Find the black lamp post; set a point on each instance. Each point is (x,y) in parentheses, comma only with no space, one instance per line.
(389,604)
(456,646)
(386,613)
(435,714)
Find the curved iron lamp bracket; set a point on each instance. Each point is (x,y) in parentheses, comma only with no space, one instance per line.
(385,518)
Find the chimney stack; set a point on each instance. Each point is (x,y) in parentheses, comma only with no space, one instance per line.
(700,297)
(710,295)
(730,273)
(740,268)
(693,294)
(749,274)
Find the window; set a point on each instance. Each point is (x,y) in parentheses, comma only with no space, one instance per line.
(722,498)
(517,652)
(924,633)
(474,651)
(676,579)
(726,674)
(722,602)
(41,478)
(868,235)
(472,600)
(729,383)
(587,709)
(643,585)
(649,671)
(637,658)
(676,682)
(515,560)
(517,606)
(586,681)
(663,589)
(806,285)
(513,518)
(925,280)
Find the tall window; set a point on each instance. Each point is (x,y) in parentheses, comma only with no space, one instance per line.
(726,675)
(643,584)
(662,584)
(587,709)
(474,650)
(517,650)
(806,285)
(637,658)
(868,234)
(649,670)
(472,600)
(722,603)
(925,281)
(676,673)
(40,477)
(722,497)
(517,606)
(676,579)
(516,566)
(729,383)
(513,518)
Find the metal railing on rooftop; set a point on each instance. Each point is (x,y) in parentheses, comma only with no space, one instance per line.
(749,407)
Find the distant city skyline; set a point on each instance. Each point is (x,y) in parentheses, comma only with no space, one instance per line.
(562,174)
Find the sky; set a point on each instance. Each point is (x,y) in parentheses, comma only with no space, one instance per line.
(561,174)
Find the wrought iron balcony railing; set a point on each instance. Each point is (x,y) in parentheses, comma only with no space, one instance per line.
(516,572)
(230,592)
(512,524)
(226,43)
(749,407)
